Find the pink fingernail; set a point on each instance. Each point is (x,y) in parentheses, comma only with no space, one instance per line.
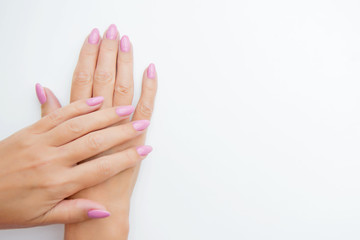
(141,124)
(144,150)
(40,93)
(95,101)
(98,214)
(112,32)
(151,72)
(125,44)
(94,36)
(125,110)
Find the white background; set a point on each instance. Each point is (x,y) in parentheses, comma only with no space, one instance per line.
(256,132)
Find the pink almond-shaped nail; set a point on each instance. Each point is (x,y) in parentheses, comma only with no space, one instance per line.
(95,101)
(94,36)
(151,71)
(125,44)
(144,150)
(40,93)
(112,32)
(98,214)
(141,124)
(124,110)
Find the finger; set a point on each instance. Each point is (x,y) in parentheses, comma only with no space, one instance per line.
(72,110)
(82,81)
(73,211)
(146,102)
(51,104)
(79,126)
(98,170)
(104,77)
(124,84)
(100,141)
(143,110)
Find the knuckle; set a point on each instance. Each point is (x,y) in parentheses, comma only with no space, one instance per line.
(122,89)
(145,109)
(109,48)
(88,52)
(103,77)
(95,141)
(151,87)
(78,107)
(130,158)
(82,78)
(125,59)
(74,127)
(52,182)
(56,117)
(23,140)
(104,167)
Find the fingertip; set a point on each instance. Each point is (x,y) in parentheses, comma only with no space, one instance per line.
(96,213)
(94,37)
(151,71)
(95,101)
(40,93)
(144,150)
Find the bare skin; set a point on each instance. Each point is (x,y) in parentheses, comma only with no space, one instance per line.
(106,68)
(39,171)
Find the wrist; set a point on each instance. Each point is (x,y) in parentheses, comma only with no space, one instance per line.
(116,226)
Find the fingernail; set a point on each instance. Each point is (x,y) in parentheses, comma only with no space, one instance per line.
(151,72)
(40,93)
(95,101)
(144,150)
(112,32)
(141,124)
(124,110)
(98,214)
(125,44)
(94,36)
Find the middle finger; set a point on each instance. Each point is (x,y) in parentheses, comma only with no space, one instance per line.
(104,77)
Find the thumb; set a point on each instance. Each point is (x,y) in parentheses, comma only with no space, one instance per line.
(75,210)
(47,99)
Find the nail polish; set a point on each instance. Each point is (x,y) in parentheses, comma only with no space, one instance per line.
(151,72)
(95,101)
(125,44)
(124,110)
(98,214)
(141,124)
(40,93)
(144,150)
(94,36)
(112,32)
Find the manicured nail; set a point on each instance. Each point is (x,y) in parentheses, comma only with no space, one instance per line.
(125,110)
(151,72)
(98,214)
(144,150)
(125,44)
(95,101)
(94,36)
(141,124)
(40,93)
(112,32)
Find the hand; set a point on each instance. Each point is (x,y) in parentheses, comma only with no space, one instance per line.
(38,164)
(105,68)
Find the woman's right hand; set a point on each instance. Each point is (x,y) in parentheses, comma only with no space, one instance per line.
(39,170)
